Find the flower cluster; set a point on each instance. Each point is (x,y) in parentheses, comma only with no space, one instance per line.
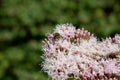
(76,54)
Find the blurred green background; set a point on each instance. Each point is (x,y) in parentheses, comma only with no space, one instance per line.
(24,24)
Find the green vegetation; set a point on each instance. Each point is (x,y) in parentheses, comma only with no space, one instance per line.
(24,24)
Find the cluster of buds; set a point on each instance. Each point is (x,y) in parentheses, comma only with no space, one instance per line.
(76,54)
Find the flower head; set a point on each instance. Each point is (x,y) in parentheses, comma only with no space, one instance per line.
(77,54)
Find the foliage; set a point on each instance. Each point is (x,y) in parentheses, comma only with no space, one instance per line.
(24,24)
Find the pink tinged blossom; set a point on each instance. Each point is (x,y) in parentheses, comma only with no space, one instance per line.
(117,39)
(83,33)
(111,67)
(77,54)
(64,44)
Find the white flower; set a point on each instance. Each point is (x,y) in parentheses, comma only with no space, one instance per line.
(79,55)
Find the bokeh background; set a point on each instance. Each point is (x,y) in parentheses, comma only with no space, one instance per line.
(25,23)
